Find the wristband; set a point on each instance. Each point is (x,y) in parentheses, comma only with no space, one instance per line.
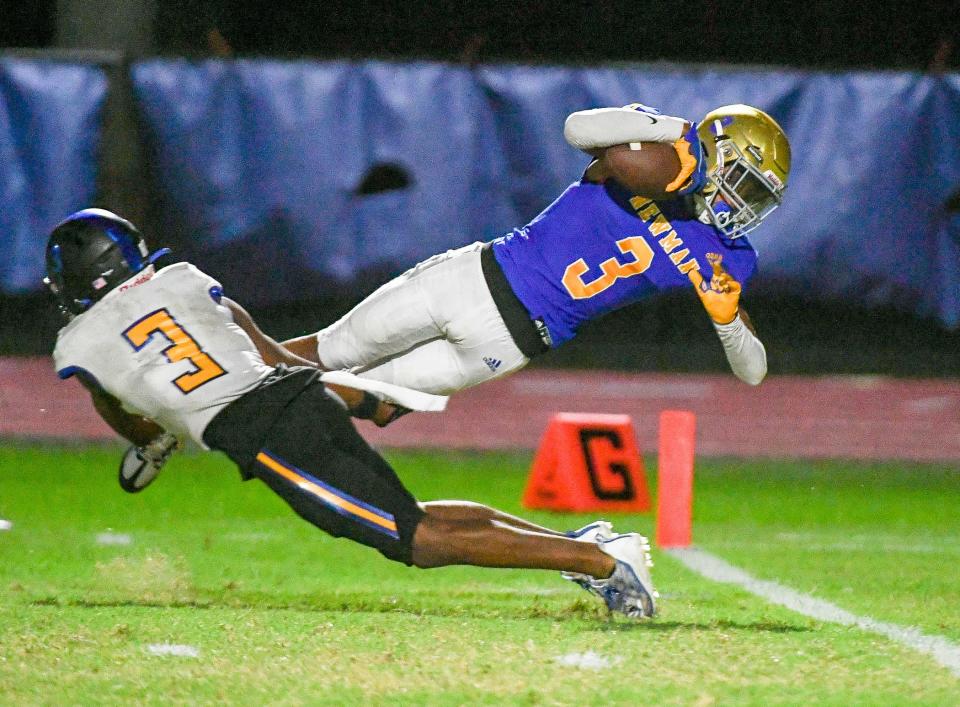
(744,351)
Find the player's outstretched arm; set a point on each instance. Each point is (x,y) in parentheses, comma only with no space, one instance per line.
(305,347)
(628,148)
(270,350)
(721,298)
(590,130)
(359,403)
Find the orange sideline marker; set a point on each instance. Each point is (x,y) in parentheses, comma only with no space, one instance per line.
(588,462)
(675,478)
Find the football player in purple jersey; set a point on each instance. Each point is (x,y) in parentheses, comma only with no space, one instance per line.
(482,311)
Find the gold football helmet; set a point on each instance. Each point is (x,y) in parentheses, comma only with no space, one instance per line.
(748,161)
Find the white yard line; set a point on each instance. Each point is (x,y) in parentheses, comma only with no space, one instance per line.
(873,545)
(712,567)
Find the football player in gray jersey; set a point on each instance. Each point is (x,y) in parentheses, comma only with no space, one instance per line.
(166,356)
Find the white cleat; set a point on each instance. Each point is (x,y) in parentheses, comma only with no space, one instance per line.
(629,589)
(590,533)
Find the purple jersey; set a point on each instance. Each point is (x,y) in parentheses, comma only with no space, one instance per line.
(597,249)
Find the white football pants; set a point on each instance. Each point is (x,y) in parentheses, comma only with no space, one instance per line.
(434,328)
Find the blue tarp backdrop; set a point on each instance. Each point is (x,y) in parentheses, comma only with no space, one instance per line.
(49,132)
(274,152)
(288,178)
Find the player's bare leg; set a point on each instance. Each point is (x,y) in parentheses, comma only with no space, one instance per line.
(467,510)
(472,534)
(614,568)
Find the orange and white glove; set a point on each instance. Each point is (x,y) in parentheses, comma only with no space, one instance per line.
(721,297)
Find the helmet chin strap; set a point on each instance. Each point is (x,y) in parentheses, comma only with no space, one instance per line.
(712,208)
(156,255)
(703,209)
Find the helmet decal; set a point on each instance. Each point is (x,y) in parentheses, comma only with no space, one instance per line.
(774,179)
(718,124)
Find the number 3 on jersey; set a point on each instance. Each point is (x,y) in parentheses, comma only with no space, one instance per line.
(182,346)
(612,269)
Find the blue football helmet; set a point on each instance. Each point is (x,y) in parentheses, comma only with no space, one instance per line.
(89,254)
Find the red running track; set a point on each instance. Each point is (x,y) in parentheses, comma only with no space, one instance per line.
(787,416)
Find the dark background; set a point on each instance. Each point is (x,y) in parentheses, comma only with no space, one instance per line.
(815,33)
(669,333)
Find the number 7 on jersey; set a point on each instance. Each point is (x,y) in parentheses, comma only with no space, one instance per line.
(182,346)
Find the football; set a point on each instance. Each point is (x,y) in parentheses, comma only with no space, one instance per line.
(646,171)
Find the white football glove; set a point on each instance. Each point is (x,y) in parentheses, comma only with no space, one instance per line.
(140,465)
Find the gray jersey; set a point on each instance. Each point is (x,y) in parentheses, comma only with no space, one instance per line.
(166,347)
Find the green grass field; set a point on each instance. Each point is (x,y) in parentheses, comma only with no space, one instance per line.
(279,613)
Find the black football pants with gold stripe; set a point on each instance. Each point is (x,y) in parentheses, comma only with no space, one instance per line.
(312,456)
